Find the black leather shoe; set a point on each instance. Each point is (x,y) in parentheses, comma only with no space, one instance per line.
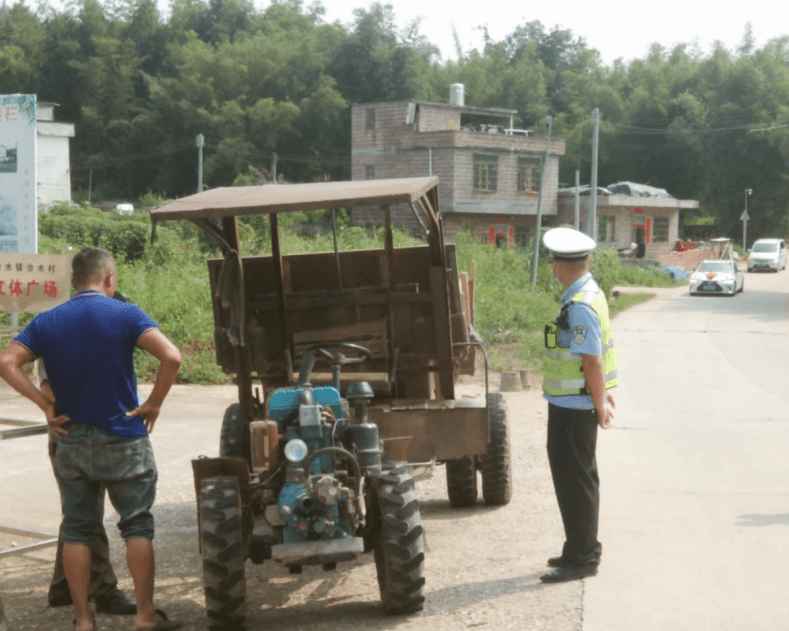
(61,601)
(557,562)
(569,573)
(117,604)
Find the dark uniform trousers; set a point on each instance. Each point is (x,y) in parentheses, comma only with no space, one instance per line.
(572,440)
(103,582)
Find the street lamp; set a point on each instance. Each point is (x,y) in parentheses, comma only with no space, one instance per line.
(745,218)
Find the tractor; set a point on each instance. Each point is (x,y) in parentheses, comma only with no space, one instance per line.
(346,364)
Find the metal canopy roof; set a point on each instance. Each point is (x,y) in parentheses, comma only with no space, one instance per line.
(276,198)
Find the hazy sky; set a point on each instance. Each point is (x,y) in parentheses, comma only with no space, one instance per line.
(614,27)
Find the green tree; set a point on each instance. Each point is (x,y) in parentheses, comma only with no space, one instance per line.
(22,50)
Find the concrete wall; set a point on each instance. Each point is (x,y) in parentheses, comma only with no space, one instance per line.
(53,162)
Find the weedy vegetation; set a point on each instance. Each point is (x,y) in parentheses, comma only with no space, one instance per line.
(169,278)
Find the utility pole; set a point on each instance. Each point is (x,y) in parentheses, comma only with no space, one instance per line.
(744,218)
(536,254)
(274,167)
(577,215)
(593,199)
(200,143)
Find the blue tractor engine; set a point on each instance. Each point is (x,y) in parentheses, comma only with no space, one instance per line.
(321,461)
(318,505)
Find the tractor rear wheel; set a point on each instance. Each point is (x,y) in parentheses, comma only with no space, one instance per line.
(221,542)
(497,467)
(395,535)
(462,482)
(233,441)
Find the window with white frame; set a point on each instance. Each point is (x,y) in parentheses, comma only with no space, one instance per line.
(485,172)
(606,228)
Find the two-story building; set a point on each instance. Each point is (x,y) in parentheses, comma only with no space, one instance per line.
(490,173)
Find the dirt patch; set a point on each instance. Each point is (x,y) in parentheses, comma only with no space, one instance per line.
(688,260)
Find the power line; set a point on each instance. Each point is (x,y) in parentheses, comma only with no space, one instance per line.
(281,157)
(132,156)
(645,131)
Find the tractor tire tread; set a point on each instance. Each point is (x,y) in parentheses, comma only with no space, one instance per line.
(497,465)
(462,482)
(223,553)
(231,437)
(399,542)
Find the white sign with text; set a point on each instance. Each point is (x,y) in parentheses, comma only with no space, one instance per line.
(18,210)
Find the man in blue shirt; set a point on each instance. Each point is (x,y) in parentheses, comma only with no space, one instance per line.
(103,588)
(579,366)
(87,345)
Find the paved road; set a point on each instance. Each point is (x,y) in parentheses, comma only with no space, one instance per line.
(695,482)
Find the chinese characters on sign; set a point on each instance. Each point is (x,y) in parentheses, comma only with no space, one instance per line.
(18,209)
(33,282)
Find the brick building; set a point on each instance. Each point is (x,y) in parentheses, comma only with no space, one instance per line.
(489,172)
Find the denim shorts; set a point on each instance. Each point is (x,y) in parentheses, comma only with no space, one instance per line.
(87,458)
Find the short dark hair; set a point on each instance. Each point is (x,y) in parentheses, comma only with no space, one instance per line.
(90,265)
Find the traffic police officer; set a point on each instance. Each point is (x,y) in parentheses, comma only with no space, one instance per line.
(579,366)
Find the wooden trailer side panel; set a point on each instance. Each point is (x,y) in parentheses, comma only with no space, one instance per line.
(438,432)
(406,312)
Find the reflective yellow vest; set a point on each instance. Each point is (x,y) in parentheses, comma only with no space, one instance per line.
(562,370)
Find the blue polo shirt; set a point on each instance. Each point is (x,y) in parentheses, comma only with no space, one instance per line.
(87,345)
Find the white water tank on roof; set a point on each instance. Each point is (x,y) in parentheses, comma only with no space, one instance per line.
(457,94)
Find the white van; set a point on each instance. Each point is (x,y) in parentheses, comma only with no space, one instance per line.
(769,254)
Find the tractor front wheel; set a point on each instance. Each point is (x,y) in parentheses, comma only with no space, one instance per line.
(221,542)
(396,537)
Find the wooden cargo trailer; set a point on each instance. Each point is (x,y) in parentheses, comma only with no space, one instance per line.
(403,304)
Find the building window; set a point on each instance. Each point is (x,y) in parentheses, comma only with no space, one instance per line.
(529,175)
(660,230)
(606,228)
(485,172)
(521,236)
(369,119)
(369,172)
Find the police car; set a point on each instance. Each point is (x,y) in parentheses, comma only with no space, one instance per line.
(717,277)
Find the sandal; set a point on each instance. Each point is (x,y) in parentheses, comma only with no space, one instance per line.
(163,623)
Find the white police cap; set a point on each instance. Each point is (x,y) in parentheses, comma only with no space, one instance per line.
(567,244)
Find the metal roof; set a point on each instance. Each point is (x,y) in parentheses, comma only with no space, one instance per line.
(276,198)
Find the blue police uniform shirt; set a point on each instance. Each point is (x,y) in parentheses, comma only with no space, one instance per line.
(584,337)
(87,345)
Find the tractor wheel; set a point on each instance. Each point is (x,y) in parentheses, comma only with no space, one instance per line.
(221,540)
(462,482)
(395,535)
(233,440)
(497,468)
